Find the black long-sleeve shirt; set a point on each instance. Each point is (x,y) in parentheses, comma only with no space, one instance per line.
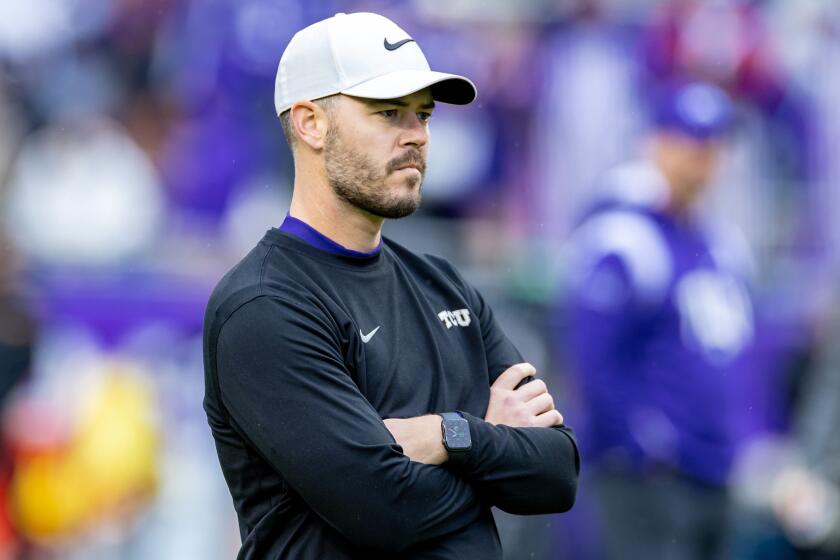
(306,352)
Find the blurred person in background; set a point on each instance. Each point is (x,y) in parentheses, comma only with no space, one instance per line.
(659,317)
(17,328)
(804,490)
(363,398)
(735,45)
(17,340)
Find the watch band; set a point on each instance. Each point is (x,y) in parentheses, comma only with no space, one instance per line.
(451,415)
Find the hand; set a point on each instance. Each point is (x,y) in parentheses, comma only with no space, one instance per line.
(420,437)
(529,406)
(806,505)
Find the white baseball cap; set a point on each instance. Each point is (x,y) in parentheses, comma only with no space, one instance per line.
(363,55)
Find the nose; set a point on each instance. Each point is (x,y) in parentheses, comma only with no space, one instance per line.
(415,132)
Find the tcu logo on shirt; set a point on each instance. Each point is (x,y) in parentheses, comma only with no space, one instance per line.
(456,318)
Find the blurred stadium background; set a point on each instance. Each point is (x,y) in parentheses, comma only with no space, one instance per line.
(140,158)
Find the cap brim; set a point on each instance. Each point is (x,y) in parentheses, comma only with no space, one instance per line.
(446,88)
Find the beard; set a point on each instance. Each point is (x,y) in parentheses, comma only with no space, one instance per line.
(355,178)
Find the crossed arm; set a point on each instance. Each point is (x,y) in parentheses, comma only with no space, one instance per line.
(527,472)
(529,406)
(288,393)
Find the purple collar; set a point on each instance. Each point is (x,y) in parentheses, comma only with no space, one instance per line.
(312,237)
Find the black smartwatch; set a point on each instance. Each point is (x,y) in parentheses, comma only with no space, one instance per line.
(456,436)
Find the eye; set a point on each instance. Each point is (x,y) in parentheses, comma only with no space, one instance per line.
(424,116)
(388,113)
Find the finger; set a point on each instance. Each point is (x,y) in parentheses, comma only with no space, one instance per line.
(532,389)
(513,375)
(549,419)
(539,404)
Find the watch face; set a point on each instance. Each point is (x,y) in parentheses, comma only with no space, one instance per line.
(457,435)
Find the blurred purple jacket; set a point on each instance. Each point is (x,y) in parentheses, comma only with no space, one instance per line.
(659,323)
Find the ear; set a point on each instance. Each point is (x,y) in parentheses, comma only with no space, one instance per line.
(310,123)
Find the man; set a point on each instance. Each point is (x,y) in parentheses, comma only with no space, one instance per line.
(804,492)
(659,321)
(363,400)
(17,328)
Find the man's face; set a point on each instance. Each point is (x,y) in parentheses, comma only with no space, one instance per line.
(690,164)
(375,152)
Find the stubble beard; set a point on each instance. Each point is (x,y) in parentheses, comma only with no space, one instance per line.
(355,179)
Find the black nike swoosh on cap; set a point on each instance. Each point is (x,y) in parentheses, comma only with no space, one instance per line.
(398,44)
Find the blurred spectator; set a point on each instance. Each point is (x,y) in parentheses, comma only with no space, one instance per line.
(730,43)
(85,457)
(17,329)
(806,497)
(83,194)
(659,318)
(588,115)
(17,340)
(787,486)
(810,33)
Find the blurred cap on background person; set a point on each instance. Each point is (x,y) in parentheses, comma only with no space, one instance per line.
(699,110)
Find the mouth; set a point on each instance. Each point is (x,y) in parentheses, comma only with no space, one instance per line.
(410,160)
